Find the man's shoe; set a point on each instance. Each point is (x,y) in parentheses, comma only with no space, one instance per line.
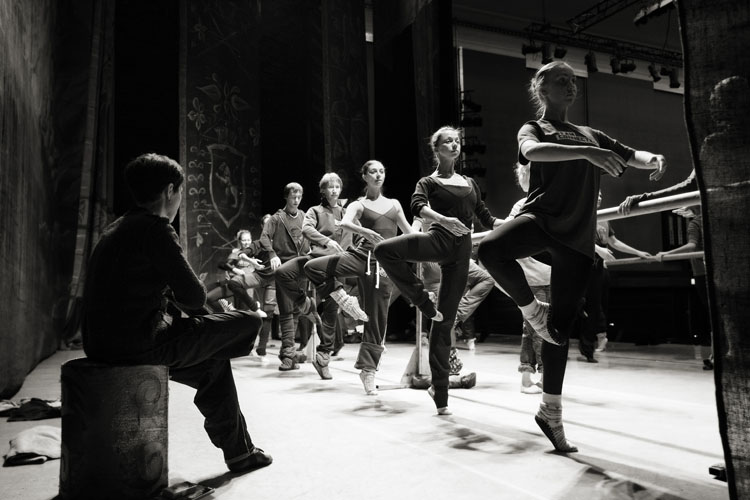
(471,344)
(257,459)
(300,357)
(288,364)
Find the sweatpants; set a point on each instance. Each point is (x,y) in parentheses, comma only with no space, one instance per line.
(374,294)
(291,283)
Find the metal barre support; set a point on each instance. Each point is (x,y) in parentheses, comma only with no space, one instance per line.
(652,206)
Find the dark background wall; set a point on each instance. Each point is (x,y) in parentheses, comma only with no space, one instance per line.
(146,83)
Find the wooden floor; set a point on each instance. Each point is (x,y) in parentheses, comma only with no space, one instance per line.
(644,419)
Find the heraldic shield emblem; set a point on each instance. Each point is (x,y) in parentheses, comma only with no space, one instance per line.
(227,182)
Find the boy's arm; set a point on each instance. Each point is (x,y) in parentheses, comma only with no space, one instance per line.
(169,258)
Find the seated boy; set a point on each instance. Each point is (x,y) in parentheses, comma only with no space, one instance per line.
(139,282)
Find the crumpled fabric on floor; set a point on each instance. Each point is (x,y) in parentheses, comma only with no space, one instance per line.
(34,446)
(34,409)
(6,405)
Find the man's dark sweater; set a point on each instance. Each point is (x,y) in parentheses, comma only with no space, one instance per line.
(137,265)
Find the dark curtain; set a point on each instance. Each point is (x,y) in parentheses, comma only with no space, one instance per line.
(94,205)
(715,38)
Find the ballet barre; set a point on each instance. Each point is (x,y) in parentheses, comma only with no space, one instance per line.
(690,199)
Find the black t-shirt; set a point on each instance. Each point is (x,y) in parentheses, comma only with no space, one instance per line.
(562,195)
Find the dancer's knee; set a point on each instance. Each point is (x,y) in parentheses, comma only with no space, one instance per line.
(486,253)
(383,251)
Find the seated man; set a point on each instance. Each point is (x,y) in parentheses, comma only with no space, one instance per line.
(137,280)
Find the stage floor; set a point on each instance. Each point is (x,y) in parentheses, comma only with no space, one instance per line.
(644,420)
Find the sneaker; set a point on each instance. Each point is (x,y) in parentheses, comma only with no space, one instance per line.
(540,324)
(288,364)
(320,363)
(264,360)
(257,459)
(300,357)
(368,380)
(350,305)
(471,344)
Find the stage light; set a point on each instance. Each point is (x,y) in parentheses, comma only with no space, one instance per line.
(627,66)
(654,74)
(530,49)
(560,52)
(546,53)
(614,62)
(590,61)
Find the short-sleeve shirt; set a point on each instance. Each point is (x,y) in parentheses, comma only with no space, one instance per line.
(562,194)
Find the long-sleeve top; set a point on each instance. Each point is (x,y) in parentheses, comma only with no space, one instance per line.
(462,202)
(320,228)
(282,236)
(136,268)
